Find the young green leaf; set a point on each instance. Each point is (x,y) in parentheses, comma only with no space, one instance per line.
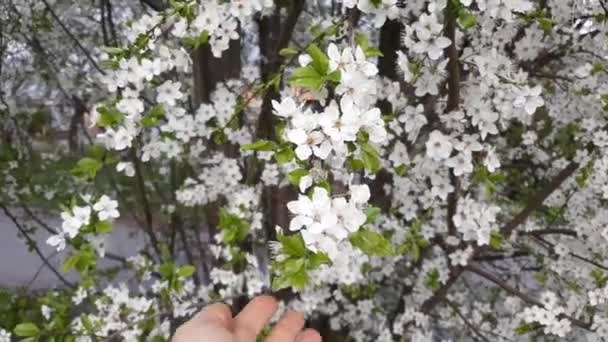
(26,330)
(320,62)
(186,271)
(86,168)
(260,145)
(295,176)
(371,243)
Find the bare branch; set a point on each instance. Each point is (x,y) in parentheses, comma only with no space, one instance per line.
(35,247)
(76,41)
(525,297)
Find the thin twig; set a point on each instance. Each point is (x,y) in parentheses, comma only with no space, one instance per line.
(35,247)
(525,297)
(76,41)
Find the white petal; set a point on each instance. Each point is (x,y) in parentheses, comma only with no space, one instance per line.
(296,136)
(359,193)
(303,152)
(323,150)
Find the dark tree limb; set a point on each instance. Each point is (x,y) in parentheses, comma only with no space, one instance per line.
(144,201)
(534,204)
(453,104)
(157,5)
(537,200)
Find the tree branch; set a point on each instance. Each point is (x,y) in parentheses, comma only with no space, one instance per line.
(157,5)
(537,200)
(534,204)
(144,201)
(76,41)
(470,325)
(453,103)
(34,246)
(526,298)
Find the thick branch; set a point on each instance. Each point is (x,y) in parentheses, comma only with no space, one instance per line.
(157,5)
(537,200)
(453,103)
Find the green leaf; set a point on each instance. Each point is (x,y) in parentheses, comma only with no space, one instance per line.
(431,280)
(293,265)
(371,243)
(26,330)
(363,42)
(260,145)
(370,158)
(295,176)
(86,168)
(318,259)
(600,279)
(86,322)
(496,240)
(70,263)
(235,229)
(156,113)
(525,328)
(280,282)
(166,270)
(288,52)
(284,155)
(299,279)
(293,245)
(546,24)
(356,164)
(103,227)
(320,62)
(109,117)
(402,170)
(203,38)
(219,137)
(334,76)
(362,136)
(372,214)
(110,50)
(186,271)
(466,19)
(306,77)
(97,152)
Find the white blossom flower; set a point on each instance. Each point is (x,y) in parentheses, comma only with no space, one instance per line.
(313,213)
(438,147)
(169,92)
(57,241)
(126,168)
(106,208)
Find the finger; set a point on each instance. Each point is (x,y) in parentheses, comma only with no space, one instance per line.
(214,322)
(287,328)
(308,335)
(254,317)
(217,313)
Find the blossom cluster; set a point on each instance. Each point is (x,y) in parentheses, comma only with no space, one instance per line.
(101,213)
(325,222)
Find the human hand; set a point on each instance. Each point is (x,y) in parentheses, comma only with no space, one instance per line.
(215,323)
